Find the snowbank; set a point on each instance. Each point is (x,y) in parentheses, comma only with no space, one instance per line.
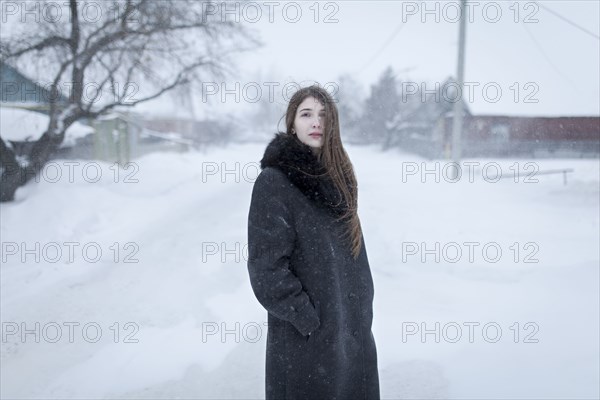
(22,125)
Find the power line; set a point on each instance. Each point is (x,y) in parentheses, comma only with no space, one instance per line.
(548,60)
(385,44)
(592,34)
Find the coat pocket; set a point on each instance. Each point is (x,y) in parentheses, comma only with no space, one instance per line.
(309,336)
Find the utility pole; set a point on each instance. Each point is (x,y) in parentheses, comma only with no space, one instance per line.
(457,120)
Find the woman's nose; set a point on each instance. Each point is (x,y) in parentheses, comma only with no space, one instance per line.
(317,122)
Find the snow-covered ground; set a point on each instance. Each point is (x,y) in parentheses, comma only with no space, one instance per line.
(167,311)
(19,124)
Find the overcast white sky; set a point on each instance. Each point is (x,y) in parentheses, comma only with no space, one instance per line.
(521,58)
(551,66)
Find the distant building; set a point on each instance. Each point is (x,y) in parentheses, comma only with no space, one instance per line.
(501,136)
(24,110)
(195,132)
(427,131)
(120,136)
(17,90)
(422,130)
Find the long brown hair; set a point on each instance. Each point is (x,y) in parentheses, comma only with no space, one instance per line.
(333,157)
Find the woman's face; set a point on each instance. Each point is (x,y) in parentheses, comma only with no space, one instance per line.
(309,122)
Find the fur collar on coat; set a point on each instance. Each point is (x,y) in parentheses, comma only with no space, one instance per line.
(296,159)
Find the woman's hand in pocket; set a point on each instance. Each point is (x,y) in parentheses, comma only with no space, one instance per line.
(308,336)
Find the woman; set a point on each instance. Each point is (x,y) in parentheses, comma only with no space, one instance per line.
(307,260)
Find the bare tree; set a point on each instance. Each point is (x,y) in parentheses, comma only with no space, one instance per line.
(111,54)
(381,108)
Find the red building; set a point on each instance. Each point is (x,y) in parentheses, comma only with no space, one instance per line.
(427,130)
(499,135)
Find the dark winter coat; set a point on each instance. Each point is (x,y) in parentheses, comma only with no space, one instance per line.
(304,275)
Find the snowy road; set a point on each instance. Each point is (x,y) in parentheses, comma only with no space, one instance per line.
(482,289)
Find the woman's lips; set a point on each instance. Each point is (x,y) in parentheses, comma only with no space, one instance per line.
(315,135)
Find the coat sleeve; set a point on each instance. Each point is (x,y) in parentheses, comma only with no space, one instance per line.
(271,238)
